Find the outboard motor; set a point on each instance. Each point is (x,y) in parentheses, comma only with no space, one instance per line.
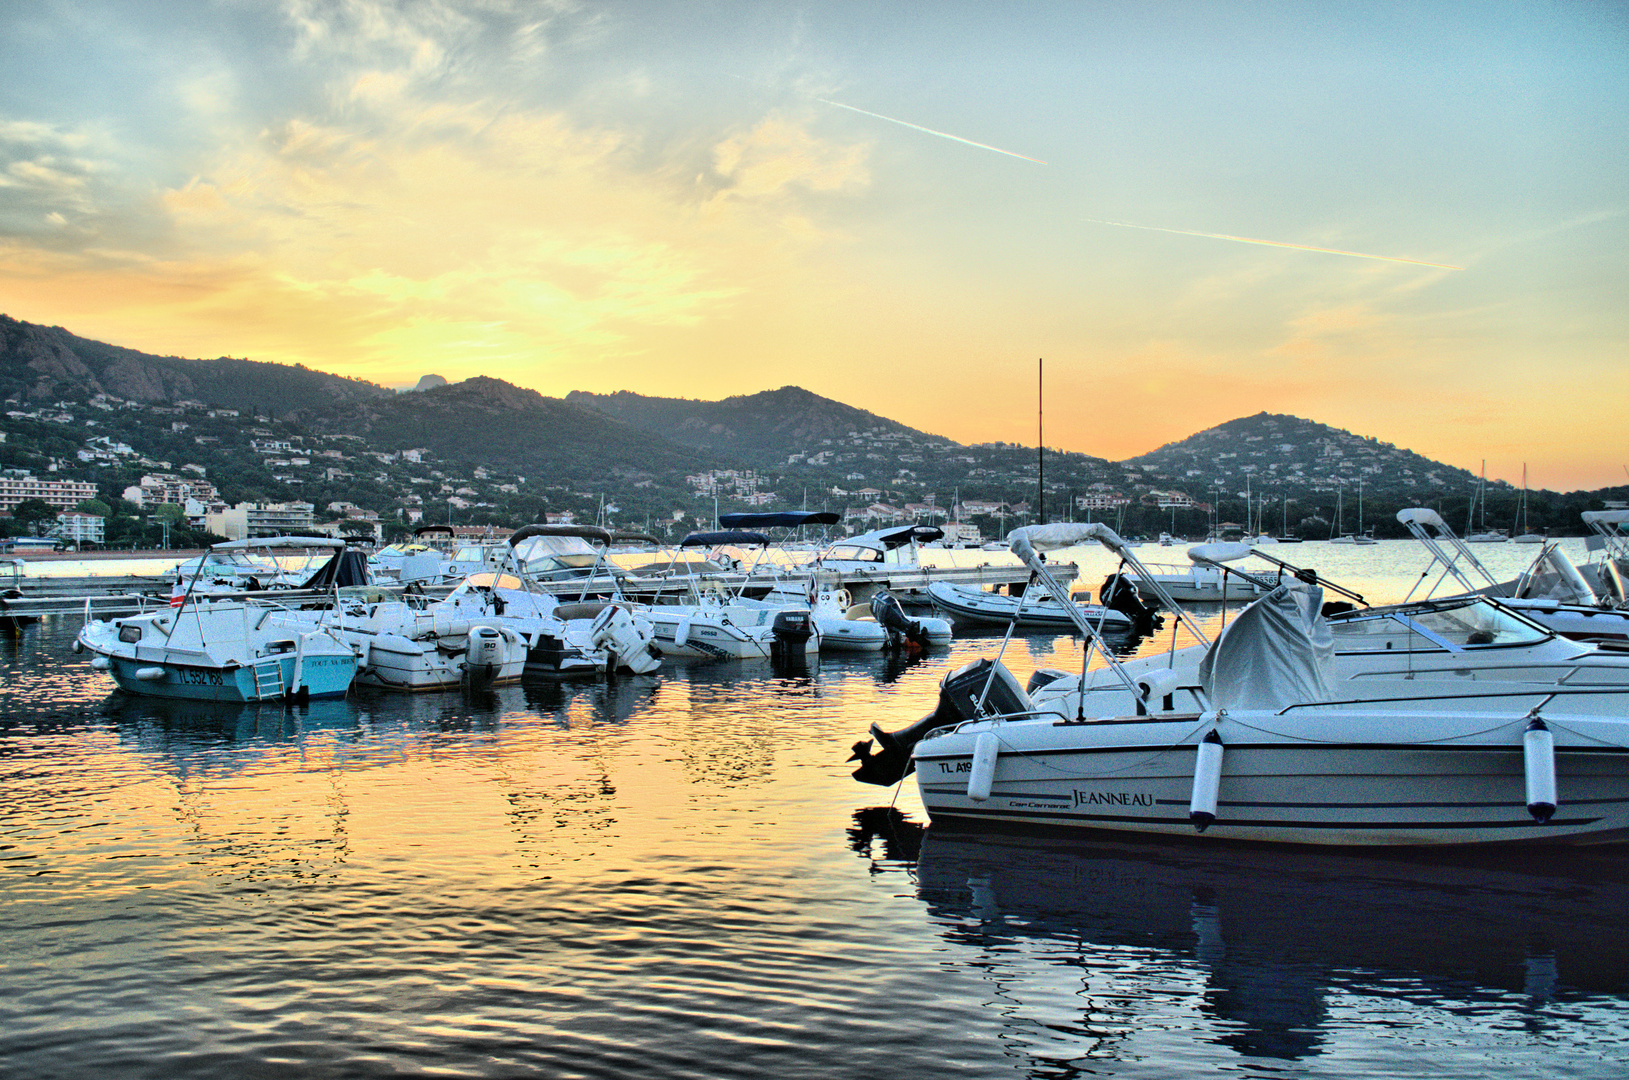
(484,658)
(626,643)
(890,613)
(792,627)
(959,696)
(1119,593)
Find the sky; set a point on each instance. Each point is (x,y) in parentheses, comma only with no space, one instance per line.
(1409,220)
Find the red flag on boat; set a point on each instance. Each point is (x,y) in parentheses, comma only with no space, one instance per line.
(178,595)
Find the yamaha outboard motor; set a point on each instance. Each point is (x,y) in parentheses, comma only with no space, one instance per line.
(792,628)
(890,613)
(960,694)
(1119,593)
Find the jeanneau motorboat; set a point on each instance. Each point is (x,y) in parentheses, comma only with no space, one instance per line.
(202,649)
(1265,746)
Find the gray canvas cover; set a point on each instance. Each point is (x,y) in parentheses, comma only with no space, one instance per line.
(1276,653)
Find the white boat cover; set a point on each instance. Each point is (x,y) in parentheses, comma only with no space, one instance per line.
(1606,517)
(1275,653)
(1226,552)
(1062,534)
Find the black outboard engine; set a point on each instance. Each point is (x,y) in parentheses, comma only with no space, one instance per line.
(959,695)
(890,613)
(792,629)
(1119,593)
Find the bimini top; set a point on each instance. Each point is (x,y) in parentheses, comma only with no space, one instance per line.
(439,530)
(583,532)
(790,519)
(715,539)
(889,539)
(1606,517)
(1062,534)
(288,542)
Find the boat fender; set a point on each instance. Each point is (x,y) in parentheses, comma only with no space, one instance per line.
(682,633)
(78,646)
(1538,754)
(986,748)
(101,663)
(1207,780)
(1161,684)
(149,674)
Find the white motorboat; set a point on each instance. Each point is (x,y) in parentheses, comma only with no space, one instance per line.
(1200,582)
(713,623)
(1036,611)
(1265,749)
(405,646)
(1551,591)
(1468,640)
(199,649)
(268,562)
(877,550)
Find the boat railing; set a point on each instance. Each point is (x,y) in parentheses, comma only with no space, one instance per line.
(1547,692)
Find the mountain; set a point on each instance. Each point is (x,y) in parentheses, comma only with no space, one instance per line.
(761,429)
(45,363)
(488,422)
(496,452)
(1288,455)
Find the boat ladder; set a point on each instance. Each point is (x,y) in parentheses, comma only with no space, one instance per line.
(268,672)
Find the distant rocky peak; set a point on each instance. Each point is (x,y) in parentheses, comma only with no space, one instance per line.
(430,382)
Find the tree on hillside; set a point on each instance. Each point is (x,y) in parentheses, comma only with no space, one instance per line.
(34,516)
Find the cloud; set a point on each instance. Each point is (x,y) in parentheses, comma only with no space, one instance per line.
(778,155)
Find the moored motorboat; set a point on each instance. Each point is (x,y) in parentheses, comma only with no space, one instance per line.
(1265,747)
(1036,611)
(224,650)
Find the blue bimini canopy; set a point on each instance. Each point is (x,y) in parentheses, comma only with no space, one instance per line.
(715,539)
(790,519)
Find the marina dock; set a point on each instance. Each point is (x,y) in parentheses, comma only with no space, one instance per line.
(107,597)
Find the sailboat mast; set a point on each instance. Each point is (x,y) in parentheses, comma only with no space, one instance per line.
(1040,442)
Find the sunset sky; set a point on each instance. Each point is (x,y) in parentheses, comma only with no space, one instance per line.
(1408,220)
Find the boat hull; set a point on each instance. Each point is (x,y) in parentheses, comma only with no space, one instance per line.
(979,606)
(1453,782)
(320,675)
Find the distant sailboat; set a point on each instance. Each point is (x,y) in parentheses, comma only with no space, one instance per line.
(1482,534)
(1336,536)
(1521,532)
(1361,537)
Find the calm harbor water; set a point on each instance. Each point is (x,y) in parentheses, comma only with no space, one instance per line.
(674,876)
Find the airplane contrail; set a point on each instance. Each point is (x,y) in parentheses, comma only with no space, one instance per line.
(1278,243)
(930,131)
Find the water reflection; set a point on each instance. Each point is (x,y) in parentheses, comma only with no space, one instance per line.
(1273,948)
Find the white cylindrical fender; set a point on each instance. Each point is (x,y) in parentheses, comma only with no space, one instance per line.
(100,663)
(682,634)
(986,748)
(150,674)
(1538,755)
(1207,781)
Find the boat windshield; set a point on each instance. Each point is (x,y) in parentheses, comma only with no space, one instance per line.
(1553,577)
(571,551)
(1464,625)
(852,553)
(488,580)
